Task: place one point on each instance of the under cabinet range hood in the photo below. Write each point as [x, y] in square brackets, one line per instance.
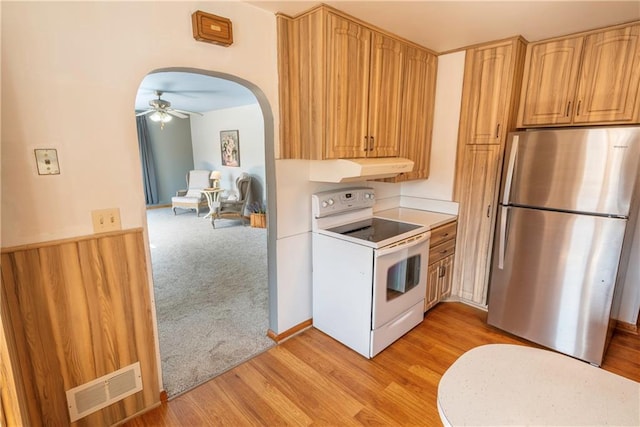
[361, 169]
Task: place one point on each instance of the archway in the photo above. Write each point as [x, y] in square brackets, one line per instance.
[269, 172]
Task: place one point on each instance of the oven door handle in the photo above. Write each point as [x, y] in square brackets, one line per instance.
[404, 244]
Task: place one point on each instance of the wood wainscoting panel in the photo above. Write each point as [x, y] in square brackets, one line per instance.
[13, 396]
[80, 309]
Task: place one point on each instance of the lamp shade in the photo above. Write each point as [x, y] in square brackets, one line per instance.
[216, 175]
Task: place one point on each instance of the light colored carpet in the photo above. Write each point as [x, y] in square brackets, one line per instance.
[211, 295]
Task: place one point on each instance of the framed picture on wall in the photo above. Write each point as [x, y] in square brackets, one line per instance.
[230, 148]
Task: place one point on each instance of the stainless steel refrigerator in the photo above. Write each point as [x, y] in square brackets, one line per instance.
[566, 204]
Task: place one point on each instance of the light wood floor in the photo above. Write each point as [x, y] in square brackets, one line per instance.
[312, 379]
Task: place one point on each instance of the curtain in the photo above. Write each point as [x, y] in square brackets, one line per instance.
[146, 157]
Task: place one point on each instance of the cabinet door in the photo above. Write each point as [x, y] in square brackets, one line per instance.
[431, 297]
[445, 277]
[347, 50]
[548, 91]
[608, 86]
[478, 194]
[385, 95]
[416, 124]
[487, 84]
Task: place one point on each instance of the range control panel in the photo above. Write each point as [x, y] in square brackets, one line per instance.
[341, 201]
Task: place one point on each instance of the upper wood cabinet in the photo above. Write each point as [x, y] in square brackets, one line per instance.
[348, 62]
[488, 80]
[610, 75]
[363, 91]
[343, 87]
[490, 92]
[549, 85]
[416, 118]
[385, 88]
[590, 78]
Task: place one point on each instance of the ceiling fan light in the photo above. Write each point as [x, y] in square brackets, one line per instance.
[160, 116]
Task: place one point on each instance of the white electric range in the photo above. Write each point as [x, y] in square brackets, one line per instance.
[369, 273]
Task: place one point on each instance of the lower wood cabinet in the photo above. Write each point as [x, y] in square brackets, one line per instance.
[440, 272]
[445, 276]
[439, 280]
[476, 217]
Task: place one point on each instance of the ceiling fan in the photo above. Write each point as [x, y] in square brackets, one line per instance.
[162, 112]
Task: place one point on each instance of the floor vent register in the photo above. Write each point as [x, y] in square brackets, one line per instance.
[102, 392]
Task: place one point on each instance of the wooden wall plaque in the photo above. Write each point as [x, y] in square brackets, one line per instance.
[211, 28]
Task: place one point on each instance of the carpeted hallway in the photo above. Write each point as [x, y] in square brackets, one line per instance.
[211, 295]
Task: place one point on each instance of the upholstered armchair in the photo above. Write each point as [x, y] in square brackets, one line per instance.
[192, 197]
[235, 209]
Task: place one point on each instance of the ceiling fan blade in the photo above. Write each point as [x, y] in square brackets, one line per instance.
[177, 114]
[144, 113]
[186, 112]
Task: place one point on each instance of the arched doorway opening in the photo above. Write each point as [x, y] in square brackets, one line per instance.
[269, 196]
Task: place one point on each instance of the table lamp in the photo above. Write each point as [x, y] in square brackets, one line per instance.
[215, 178]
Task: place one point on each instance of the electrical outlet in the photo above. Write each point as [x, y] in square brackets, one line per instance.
[106, 220]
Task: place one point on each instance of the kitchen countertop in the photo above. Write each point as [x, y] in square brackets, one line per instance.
[416, 216]
[505, 384]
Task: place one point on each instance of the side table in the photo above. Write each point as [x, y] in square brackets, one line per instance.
[213, 200]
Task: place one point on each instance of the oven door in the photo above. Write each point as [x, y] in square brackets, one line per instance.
[399, 278]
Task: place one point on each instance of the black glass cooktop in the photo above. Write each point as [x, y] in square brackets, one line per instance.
[374, 229]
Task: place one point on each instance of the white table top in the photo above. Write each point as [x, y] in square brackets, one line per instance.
[506, 385]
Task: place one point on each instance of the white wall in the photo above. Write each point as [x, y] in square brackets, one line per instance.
[76, 67]
[205, 133]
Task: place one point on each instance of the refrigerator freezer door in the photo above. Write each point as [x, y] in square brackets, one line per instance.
[578, 170]
[557, 278]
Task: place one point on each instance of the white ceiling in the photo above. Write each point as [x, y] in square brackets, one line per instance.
[439, 25]
[446, 25]
[192, 92]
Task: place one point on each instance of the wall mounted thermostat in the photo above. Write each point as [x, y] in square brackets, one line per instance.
[47, 161]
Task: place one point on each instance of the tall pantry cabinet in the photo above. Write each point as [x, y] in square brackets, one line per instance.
[490, 97]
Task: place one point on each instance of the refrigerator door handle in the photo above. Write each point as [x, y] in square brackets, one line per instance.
[510, 166]
[502, 243]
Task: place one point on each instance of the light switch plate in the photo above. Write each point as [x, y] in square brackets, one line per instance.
[47, 161]
[106, 220]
